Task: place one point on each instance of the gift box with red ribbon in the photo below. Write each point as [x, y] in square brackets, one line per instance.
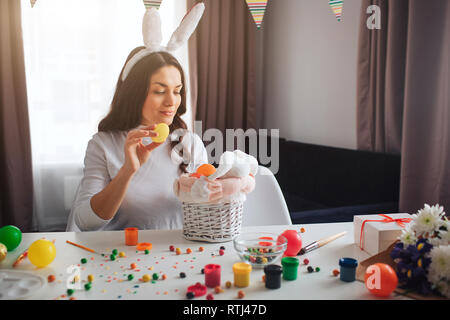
[376, 232]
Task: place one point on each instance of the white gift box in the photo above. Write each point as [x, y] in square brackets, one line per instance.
[379, 235]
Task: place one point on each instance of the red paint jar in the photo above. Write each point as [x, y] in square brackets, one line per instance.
[212, 275]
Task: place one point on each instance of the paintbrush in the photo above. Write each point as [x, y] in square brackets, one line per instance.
[319, 243]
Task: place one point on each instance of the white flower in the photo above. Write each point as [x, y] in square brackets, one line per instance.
[408, 236]
[428, 220]
[440, 264]
[445, 235]
[443, 287]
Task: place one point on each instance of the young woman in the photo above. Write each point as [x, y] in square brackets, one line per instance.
[127, 183]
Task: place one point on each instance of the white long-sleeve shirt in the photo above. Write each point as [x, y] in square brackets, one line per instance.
[150, 202]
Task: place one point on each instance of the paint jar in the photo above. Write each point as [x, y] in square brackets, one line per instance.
[212, 275]
[290, 267]
[348, 269]
[273, 276]
[242, 274]
[131, 236]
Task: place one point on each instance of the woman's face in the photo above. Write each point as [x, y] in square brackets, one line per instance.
[164, 97]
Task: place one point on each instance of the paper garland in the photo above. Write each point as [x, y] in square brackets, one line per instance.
[152, 4]
[257, 9]
[336, 6]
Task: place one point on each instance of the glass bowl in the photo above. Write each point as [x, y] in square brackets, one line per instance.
[260, 248]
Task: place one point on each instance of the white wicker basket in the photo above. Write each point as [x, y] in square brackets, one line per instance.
[212, 222]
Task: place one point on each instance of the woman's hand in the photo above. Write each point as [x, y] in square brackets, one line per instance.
[136, 154]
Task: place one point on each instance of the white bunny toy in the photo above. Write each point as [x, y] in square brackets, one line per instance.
[151, 30]
[235, 164]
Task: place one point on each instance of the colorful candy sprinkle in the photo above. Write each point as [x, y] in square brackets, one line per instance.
[51, 278]
[90, 278]
[172, 248]
[305, 261]
[310, 269]
[182, 275]
[228, 284]
[210, 296]
[241, 294]
[190, 295]
[84, 260]
[336, 272]
[146, 278]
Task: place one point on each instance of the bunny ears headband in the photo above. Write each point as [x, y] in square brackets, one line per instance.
[151, 30]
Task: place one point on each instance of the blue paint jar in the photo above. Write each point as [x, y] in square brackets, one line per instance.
[348, 269]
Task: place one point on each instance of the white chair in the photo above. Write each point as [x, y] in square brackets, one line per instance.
[266, 204]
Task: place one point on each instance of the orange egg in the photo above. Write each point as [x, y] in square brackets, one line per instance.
[380, 279]
[206, 170]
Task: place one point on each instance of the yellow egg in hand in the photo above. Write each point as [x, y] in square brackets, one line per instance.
[3, 252]
[163, 132]
[41, 253]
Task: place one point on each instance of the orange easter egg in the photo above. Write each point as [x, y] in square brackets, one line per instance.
[206, 170]
[380, 279]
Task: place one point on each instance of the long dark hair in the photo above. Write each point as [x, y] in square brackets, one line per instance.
[126, 107]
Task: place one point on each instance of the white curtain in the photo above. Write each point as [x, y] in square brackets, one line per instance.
[74, 51]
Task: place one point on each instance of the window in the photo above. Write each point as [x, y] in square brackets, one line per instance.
[74, 52]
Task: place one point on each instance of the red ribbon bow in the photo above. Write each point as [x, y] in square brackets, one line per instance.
[401, 222]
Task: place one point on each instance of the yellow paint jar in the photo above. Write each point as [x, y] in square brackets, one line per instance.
[242, 274]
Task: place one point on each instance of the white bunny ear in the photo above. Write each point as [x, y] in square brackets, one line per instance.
[151, 29]
[186, 28]
[152, 34]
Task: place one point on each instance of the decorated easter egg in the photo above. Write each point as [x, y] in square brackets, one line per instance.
[41, 253]
[294, 243]
[11, 237]
[206, 170]
[163, 132]
[380, 279]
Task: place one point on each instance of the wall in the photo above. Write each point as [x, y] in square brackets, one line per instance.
[309, 71]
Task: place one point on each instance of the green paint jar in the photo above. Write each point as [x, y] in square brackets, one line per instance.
[290, 268]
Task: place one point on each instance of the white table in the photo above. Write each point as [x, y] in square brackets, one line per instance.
[111, 276]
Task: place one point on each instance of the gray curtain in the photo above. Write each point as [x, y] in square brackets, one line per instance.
[16, 184]
[223, 66]
[403, 95]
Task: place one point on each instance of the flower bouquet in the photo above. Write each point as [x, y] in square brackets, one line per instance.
[422, 254]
